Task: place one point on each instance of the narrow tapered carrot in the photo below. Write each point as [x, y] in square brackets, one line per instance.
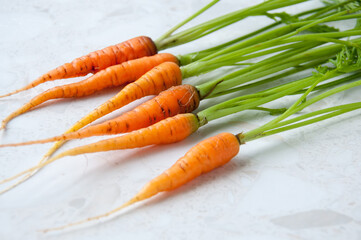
[169, 130]
[175, 100]
[111, 77]
[95, 61]
[202, 158]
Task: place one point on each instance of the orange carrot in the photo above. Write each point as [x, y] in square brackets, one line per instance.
[176, 100]
[112, 76]
[153, 82]
[93, 62]
[202, 158]
[169, 130]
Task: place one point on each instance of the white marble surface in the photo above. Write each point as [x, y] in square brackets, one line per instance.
[303, 184]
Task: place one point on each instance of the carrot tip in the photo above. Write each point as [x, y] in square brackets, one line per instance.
[130, 202]
[5, 95]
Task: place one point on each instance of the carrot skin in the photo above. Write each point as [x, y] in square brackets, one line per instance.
[111, 77]
[167, 131]
[204, 157]
[92, 116]
[176, 100]
[98, 60]
[155, 81]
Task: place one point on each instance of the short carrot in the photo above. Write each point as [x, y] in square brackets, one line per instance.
[95, 61]
[176, 100]
[113, 76]
[202, 158]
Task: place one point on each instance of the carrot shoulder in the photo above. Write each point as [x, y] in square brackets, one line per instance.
[98, 60]
[176, 100]
[202, 158]
[113, 76]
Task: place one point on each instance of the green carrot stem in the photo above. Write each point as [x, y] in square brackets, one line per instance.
[272, 111]
[278, 129]
[269, 39]
[296, 69]
[179, 25]
[333, 83]
[332, 7]
[315, 113]
[219, 110]
[290, 110]
[195, 56]
[192, 57]
[268, 64]
[208, 27]
[230, 54]
[275, 65]
[254, 133]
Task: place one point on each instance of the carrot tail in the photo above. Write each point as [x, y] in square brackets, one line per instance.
[132, 201]
[50, 94]
[176, 100]
[202, 158]
[167, 131]
[66, 91]
[93, 62]
[18, 182]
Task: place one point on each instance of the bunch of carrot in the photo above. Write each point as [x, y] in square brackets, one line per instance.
[168, 117]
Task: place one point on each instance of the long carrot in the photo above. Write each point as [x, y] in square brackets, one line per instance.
[113, 76]
[167, 131]
[95, 61]
[176, 100]
[202, 158]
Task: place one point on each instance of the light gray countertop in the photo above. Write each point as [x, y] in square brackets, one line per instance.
[302, 184]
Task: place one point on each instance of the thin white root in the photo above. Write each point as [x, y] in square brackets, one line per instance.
[30, 171]
[130, 202]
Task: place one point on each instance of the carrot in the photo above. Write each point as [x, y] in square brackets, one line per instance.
[176, 100]
[202, 158]
[169, 130]
[113, 76]
[95, 61]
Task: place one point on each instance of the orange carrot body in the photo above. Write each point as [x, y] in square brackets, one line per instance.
[93, 62]
[113, 76]
[169, 130]
[202, 158]
[113, 104]
[176, 100]
[158, 79]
